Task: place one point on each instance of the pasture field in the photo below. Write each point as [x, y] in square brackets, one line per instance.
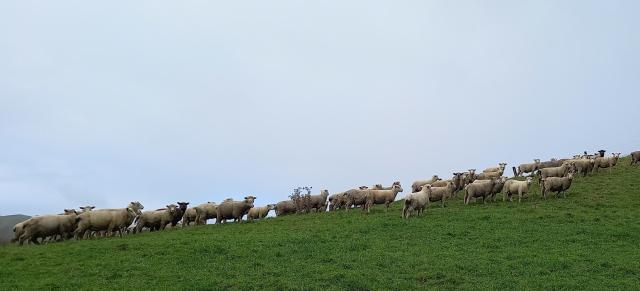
[589, 240]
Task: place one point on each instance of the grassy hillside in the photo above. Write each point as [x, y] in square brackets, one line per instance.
[590, 240]
[6, 226]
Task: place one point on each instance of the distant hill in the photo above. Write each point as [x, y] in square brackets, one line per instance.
[6, 226]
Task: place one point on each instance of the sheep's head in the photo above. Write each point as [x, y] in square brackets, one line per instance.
[183, 205]
[271, 207]
[529, 180]
[136, 207]
[171, 208]
[363, 187]
[70, 212]
[537, 161]
[435, 178]
[397, 188]
[377, 186]
[87, 208]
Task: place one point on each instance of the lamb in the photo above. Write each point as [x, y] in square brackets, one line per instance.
[234, 209]
[157, 219]
[48, 226]
[415, 187]
[555, 184]
[515, 186]
[528, 168]
[260, 212]
[635, 157]
[109, 220]
[481, 189]
[416, 201]
[561, 171]
[499, 168]
[609, 162]
[285, 207]
[383, 197]
[205, 212]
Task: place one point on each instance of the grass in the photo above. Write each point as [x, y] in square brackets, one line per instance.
[589, 240]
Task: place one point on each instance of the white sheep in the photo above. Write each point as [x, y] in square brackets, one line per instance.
[515, 186]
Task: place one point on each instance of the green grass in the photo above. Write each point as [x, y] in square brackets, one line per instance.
[590, 240]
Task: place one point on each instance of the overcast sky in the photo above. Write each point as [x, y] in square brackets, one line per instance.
[164, 101]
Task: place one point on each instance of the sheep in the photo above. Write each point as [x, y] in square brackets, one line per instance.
[318, 202]
[470, 176]
[489, 175]
[416, 201]
[18, 229]
[234, 209]
[339, 201]
[498, 186]
[415, 187]
[383, 197]
[583, 166]
[551, 164]
[48, 226]
[182, 208]
[556, 184]
[260, 212]
[499, 168]
[481, 189]
[528, 168]
[515, 186]
[357, 197]
[440, 193]
[567, 167]
[609, 162]
[206, 211]
[285, 207]
[635, 157]
[109, 220]
[379, 186]
[157, 219]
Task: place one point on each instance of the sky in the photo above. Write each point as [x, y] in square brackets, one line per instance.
[102, 103]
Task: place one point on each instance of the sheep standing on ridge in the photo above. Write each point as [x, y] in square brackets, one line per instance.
[556, 184]
[416, 201]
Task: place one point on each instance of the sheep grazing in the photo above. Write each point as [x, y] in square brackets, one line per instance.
[500, 168]
[609, 162]
[416, 201]
[108, 220]
[555, 184]
[515, 186]
[259, 212]
[383, 197]
[440, 193]
[635, 157]
[234, 209]
[48, 226]
[285, 207]
[318, 202]
[561, 171]
[415, 187]
[480, 189]
[157, 219]
[528, 168]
